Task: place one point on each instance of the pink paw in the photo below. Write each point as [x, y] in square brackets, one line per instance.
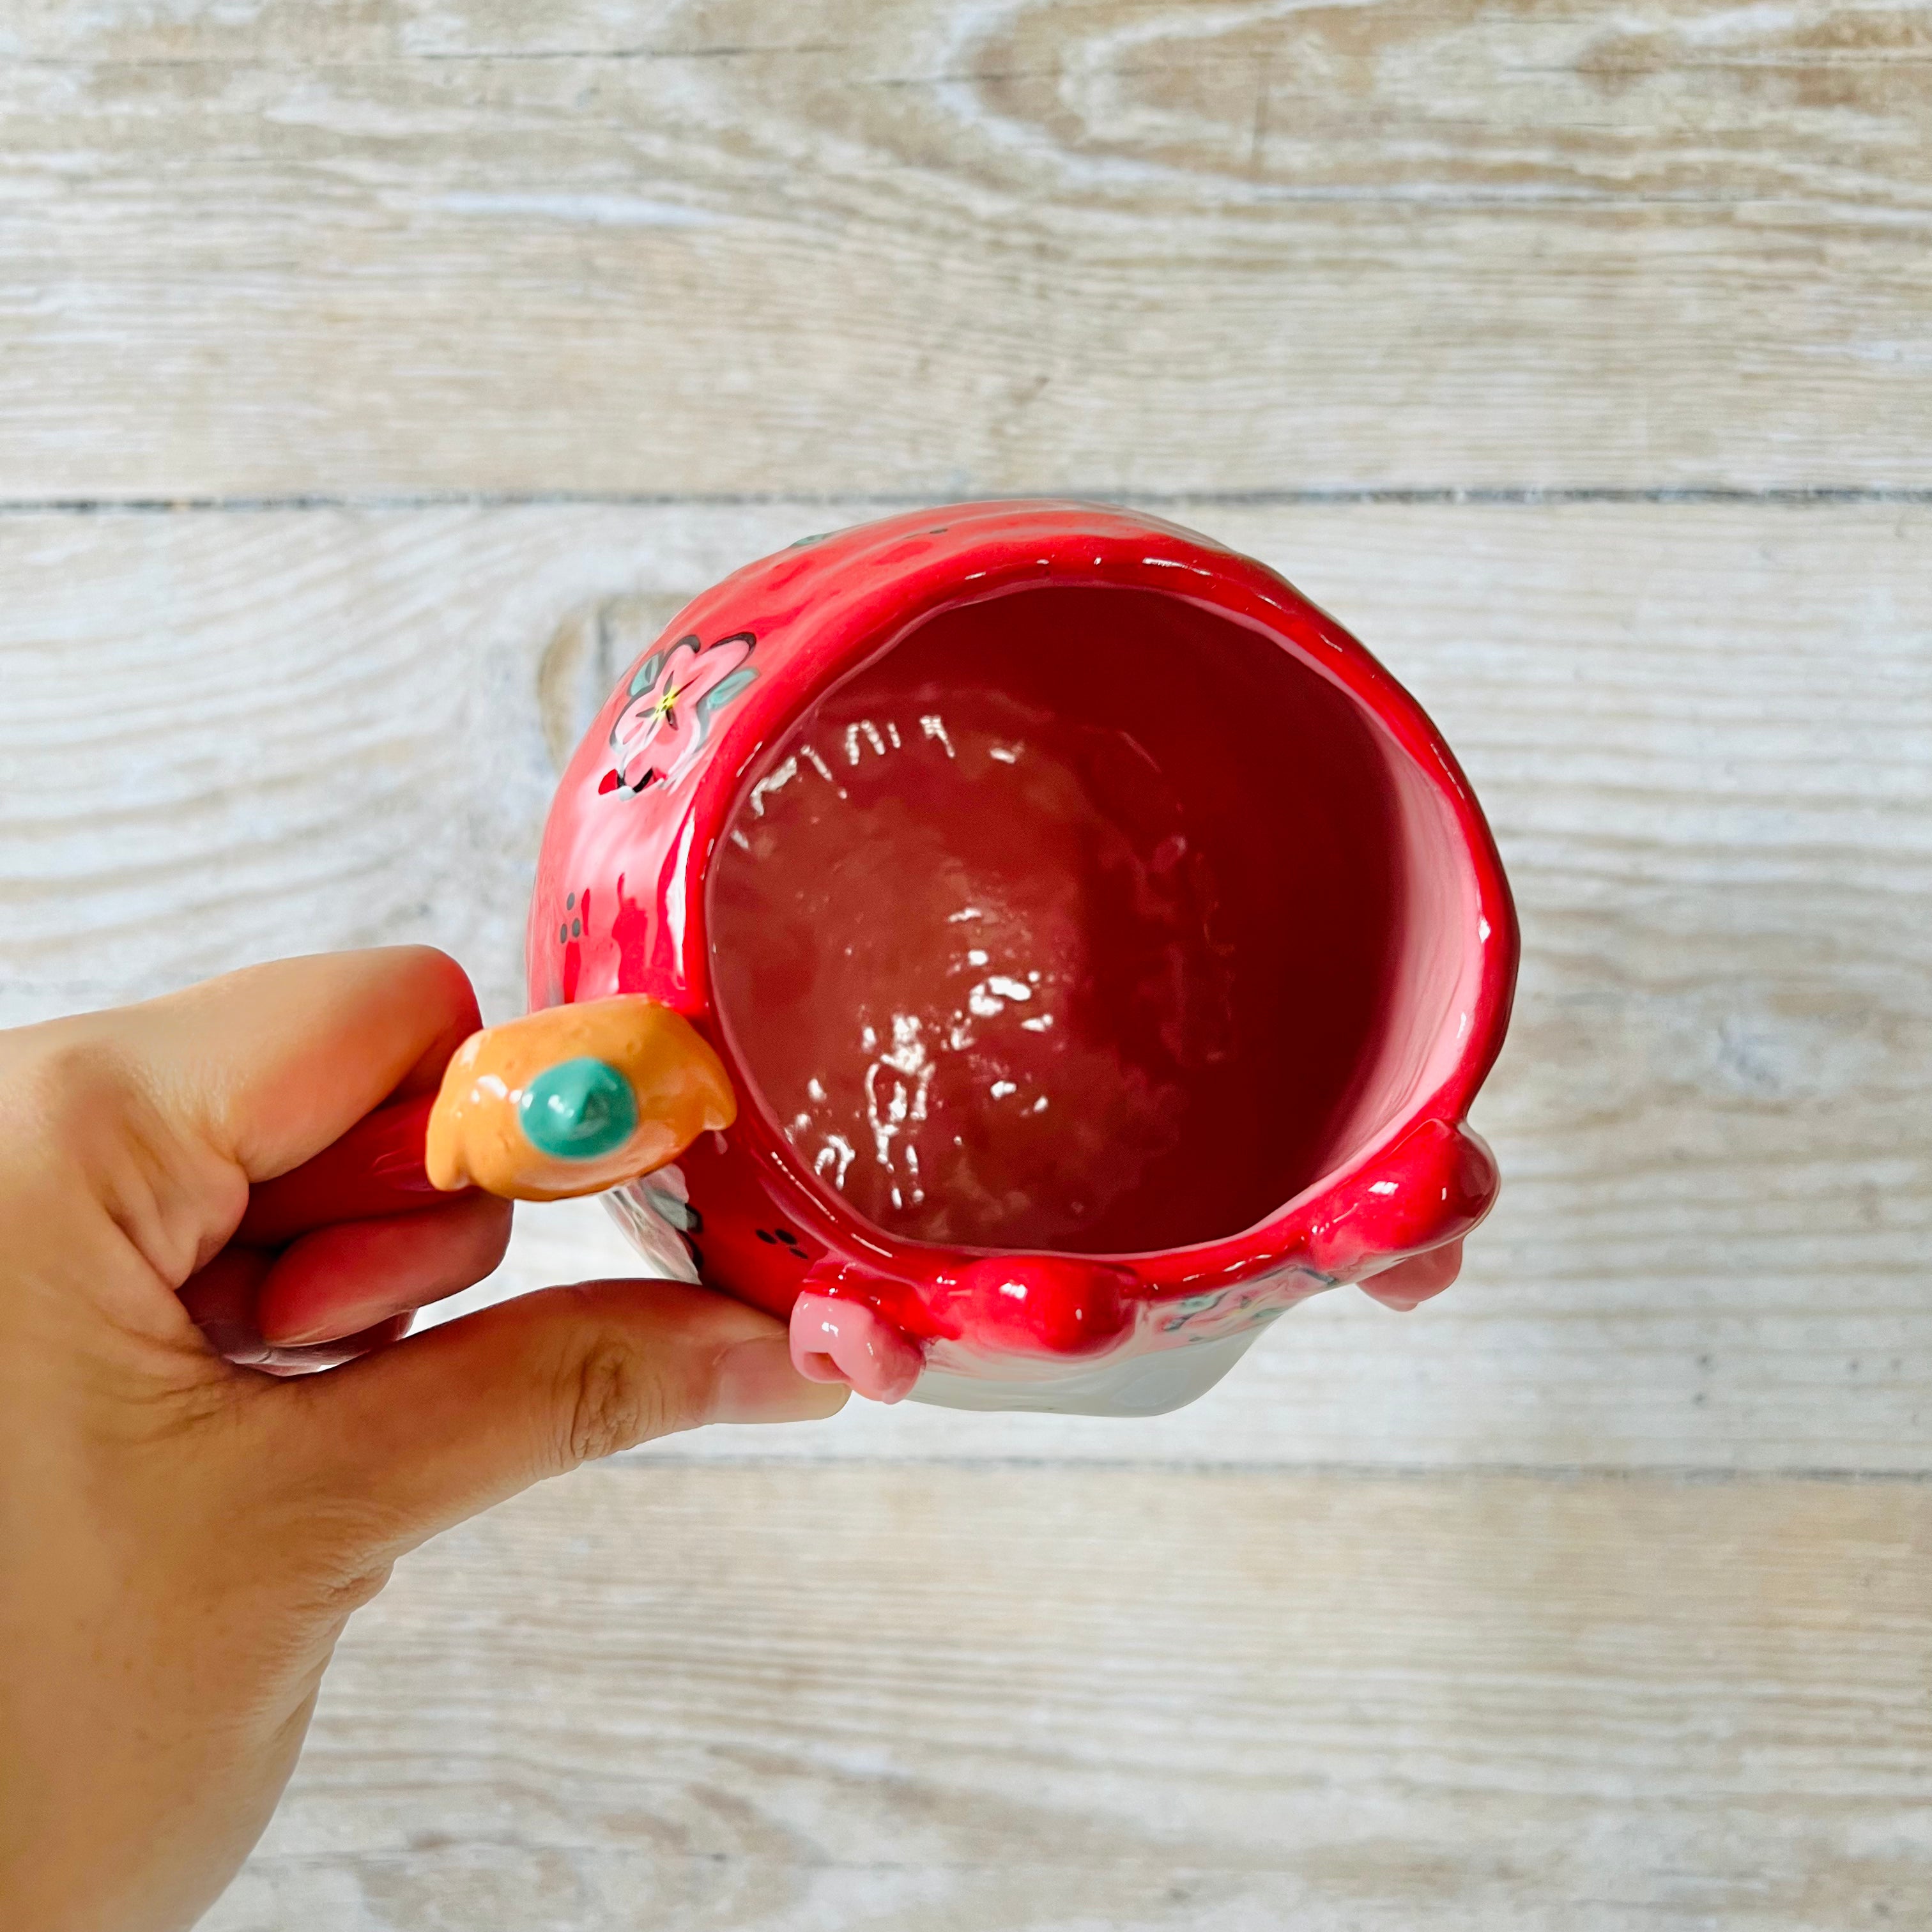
[1410, 1283]
[834, 1340]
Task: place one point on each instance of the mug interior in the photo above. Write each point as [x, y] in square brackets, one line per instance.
[1087, 920]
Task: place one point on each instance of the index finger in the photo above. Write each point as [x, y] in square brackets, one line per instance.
[273, 1063]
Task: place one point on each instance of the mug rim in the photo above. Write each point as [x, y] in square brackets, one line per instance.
[847, 599]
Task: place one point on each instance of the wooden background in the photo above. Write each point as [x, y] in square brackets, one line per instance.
[353, 354]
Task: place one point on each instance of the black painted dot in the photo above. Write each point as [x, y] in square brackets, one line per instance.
[786, 1235]
[562, 935]
[576, 929]
[570, 902]
[770, 1240]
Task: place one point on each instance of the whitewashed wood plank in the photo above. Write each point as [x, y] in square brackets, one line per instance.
[1704, 736]
[961, 247]
[767, 1699]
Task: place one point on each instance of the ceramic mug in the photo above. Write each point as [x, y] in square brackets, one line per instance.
[1359, 893]
[1057, 947]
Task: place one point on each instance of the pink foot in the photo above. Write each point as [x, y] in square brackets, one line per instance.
[834, 1340]
[1410, 1283]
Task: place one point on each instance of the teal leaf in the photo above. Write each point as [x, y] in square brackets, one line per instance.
[648, 673]
[721, 693]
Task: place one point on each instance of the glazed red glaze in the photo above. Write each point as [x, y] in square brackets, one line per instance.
[1349, 877]
[373, 1170]
[978, 962]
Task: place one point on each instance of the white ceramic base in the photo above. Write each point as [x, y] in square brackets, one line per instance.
[1141, 1379]
[1137, 1384]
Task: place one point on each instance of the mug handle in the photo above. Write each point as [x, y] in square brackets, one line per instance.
[571, 1100]
[374, 1170]
[575, 1100]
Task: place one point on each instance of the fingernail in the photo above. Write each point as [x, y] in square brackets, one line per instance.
[333, 1326]
[234, 1342]
[757, 1383]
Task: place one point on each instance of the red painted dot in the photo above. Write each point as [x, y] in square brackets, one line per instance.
[610, 782]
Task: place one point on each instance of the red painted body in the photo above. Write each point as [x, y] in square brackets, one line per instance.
[375, 1169]
[1355, 882]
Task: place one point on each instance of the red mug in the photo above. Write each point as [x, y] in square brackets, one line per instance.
[1102, 948]
[1366, 946]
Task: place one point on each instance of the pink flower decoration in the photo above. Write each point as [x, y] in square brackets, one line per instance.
[674, 695]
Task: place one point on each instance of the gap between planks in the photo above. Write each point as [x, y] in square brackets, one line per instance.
[662, 1455]
[1526, 496]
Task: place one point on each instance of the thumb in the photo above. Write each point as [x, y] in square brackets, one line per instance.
[420, 1435]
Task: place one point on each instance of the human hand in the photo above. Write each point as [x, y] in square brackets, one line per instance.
[184, 1538]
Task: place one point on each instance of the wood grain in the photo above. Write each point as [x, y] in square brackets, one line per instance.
[765, 1698]
[944, 249]
[1704, 733]
[395, 289]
